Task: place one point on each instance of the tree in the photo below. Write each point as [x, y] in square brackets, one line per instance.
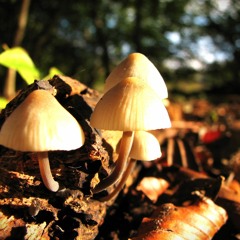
[217, 23]
[86, 40]
[10, 82]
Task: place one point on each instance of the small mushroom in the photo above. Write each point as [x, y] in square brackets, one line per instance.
[40, 124]
[131, 105]
[145, 147]
[138, 65]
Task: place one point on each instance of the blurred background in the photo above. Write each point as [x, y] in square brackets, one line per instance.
[195, 44]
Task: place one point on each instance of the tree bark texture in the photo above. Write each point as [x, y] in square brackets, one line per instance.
[30, 211]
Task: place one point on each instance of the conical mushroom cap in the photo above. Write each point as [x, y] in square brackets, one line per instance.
[145, 147]
[131, 105]
[39, 124]
[137, 65]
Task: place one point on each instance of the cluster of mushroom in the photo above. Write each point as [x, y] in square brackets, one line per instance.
[132, 103]
[40, 124]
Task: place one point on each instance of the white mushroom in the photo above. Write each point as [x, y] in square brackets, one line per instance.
[40, 124]
[129, 106]
[139, 66]
[145, 147]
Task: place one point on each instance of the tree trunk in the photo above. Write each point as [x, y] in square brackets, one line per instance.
[10, 82]
[138, 25]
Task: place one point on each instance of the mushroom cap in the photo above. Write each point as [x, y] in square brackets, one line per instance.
[40, 124]
[137, 65]
[131, 105]
[145, 147]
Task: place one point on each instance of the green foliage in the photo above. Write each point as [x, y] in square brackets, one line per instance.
[86, 39]
[53, 71]
[17, 58]
[3, 102]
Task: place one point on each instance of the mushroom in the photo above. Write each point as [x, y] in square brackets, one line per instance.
[137, 65]
[145, 147]
[40, 124]
[131, 105]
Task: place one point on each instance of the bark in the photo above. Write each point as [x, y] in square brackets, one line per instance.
[30, 211]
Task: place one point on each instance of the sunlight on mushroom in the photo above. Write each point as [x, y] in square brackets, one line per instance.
[139, 66]
[145, 147]
[40, 124]
[129, 106]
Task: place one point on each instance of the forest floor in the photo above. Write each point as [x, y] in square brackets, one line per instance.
[210, 132]
[200, 153]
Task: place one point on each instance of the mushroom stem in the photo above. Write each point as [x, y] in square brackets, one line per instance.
[123, 180]
[46, 173]
[125, 147]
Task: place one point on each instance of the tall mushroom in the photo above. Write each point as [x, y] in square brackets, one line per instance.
[137, 65]
[145, 147]
[40, 124]
[131, 105]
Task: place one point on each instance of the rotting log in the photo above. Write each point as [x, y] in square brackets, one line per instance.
[27, 209]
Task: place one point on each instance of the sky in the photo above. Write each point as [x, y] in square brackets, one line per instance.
[204, 48]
